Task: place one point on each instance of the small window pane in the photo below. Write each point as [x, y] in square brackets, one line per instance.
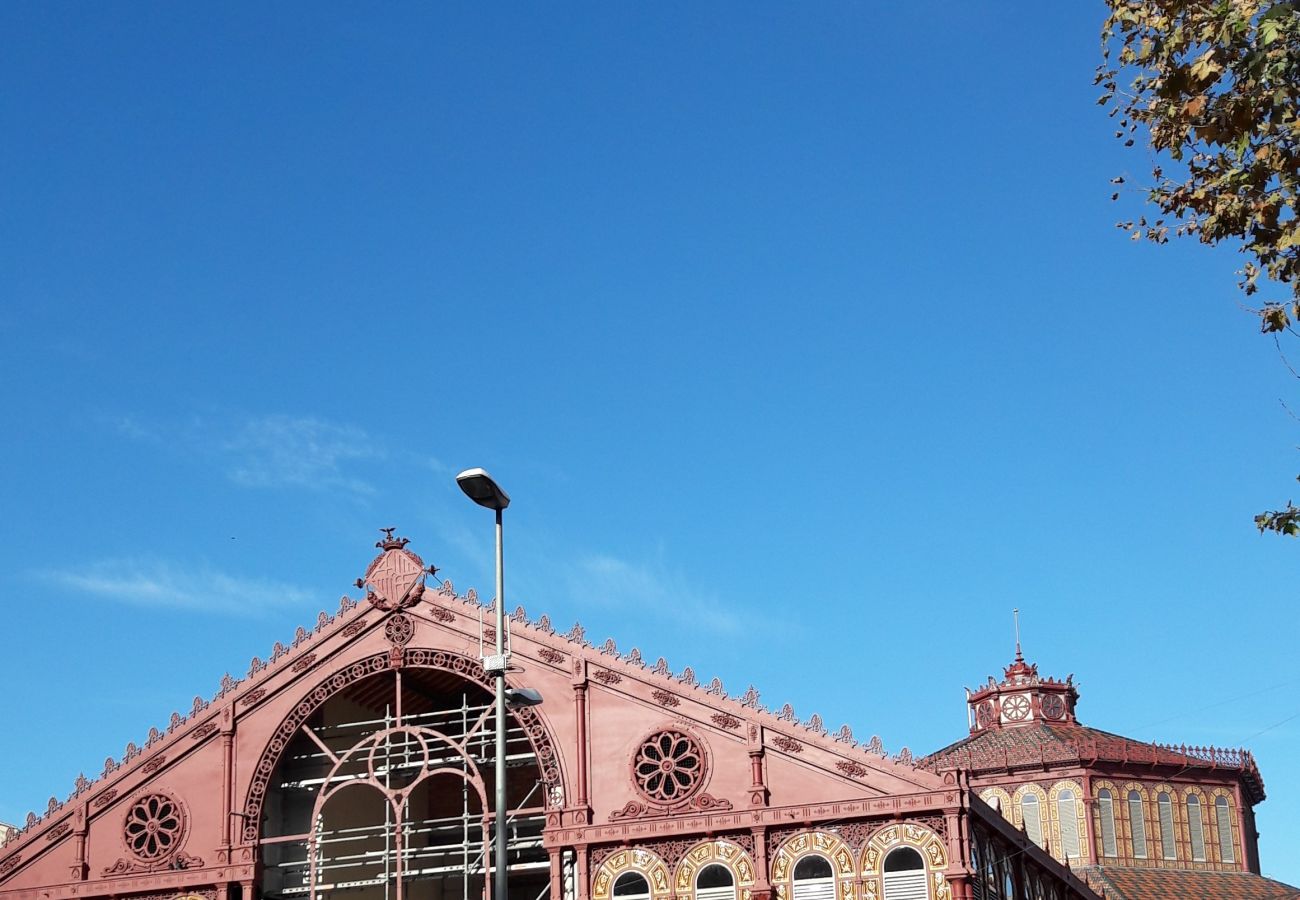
[630, 884]
[1166, 807]
[715, 882]
[1106, 811]
[903, 859]
[1138, 822]
[813, 867]
[1223, 822]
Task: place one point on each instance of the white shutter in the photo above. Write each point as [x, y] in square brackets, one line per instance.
[726, 892]
[909, 885]
[1031, 815]
[815, 889]
[1196, 828]
[1166, 807]
[1106, 808]
[1138, 820]
[1069, 824]
[1222, 822]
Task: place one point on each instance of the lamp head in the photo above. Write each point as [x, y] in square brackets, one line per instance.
[479, 487]
[521, 697]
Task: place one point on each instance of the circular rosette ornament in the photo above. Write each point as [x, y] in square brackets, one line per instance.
[154, 828]
[1016, 709]
[399, 630]
[669, 767]
[1053, 707]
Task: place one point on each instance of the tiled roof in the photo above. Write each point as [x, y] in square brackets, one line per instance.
[1041, 743]
[1029, 743]
[1122, 883]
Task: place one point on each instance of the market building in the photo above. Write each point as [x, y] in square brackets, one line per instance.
[356, 761]
[1136, 820]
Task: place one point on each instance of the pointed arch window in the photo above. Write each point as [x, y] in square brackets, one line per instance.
[1165, 806]
[1196, 827]
[632, 886]
[1138, 823]
[905, 876]
[1068, 818]
[715, 882]
[1223, 824]
[1031, 814]
[814, 879]
[1106, 813]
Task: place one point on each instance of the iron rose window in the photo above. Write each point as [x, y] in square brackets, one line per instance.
[154, 827]
[669, 766]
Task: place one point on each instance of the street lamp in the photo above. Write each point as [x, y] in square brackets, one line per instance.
[479, 487]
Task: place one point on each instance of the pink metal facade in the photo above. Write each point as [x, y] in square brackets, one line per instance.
[339, 766]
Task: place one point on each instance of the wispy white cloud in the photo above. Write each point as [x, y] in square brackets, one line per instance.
[609, 581]
[164, 584]
[277, 451]
[299, 451]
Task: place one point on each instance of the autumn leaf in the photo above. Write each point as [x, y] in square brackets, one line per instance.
[1213, 89]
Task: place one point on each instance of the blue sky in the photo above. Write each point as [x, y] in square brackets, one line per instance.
[802, 339]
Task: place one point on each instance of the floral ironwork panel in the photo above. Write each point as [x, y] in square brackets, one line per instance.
[669, 766]
[154, 827]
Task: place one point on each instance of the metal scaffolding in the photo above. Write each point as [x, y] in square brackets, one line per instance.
[334, 827]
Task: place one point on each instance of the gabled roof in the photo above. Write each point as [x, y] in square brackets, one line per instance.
[1045, 743]
[1125, 883]
[168, 744]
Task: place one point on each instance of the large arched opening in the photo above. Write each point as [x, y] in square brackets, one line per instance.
[383, 792]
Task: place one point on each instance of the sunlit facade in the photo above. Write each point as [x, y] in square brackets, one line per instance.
[355, 763]
[1136, 820]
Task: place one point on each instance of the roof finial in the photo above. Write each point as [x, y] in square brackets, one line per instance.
[1015, 614]
[389, 542]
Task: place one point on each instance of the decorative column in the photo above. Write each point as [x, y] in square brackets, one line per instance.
[557, 876]
[227, 778]
[79, 843]
[582, 805]
[1249, 861]
[758, 793]
[1088, 805]
[584, 873]
[762, 889]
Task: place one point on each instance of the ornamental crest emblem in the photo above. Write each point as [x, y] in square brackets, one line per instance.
[395, 579]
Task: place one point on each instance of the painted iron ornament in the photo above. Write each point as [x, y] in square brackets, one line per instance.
[669, 766]
[154, 827]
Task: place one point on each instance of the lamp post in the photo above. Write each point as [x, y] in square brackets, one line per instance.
[479, 487]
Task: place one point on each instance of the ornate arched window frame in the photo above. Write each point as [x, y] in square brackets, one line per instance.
[1080, 815]
[919, 838]
[631, 859]
[719, 852]
[1233, 827]
[1004, 804]
[1127, 788]
[1018, 812]
[814, 843]
[1178, 822]
[1184, 800]
[1119, 817]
